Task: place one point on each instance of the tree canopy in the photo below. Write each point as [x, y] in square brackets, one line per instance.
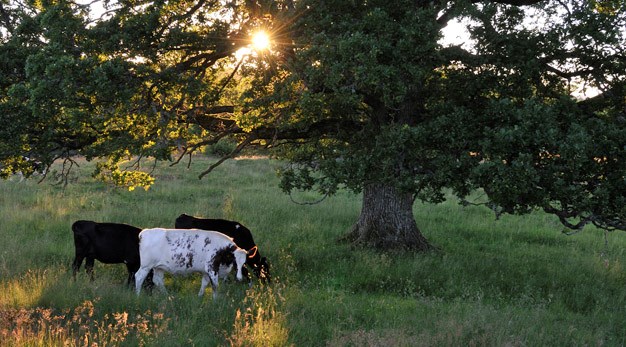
[351, 94]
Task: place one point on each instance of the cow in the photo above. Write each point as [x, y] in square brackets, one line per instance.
[184, 251]
[240, 234]
[109, 243]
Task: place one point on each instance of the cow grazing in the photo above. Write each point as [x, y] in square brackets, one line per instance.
[109, 243]
[184, 251]
[240, 234]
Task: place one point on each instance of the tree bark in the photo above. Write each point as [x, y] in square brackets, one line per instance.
[387, 221]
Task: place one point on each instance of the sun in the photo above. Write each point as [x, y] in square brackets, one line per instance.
[260, 41]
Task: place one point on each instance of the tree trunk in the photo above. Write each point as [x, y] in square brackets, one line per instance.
[386, 220]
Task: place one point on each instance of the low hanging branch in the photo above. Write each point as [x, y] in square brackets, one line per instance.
[193, 147]
[232, 154]
[565, 215]
[307, 202]
[498, 211]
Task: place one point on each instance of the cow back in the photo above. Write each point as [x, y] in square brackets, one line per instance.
[107, 242]
[181, 250]
[239, 233]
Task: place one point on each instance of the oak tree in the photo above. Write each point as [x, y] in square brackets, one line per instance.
[363, 95]
[371, 97]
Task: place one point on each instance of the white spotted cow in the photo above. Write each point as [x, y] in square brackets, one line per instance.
[184, 251]
[240, 234]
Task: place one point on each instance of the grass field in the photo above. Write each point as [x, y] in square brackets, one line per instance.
[517, 281]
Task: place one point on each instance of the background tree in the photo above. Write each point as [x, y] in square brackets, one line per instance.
[116, 86]
[355, 94]
[390, 109]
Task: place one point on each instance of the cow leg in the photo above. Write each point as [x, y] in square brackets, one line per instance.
[78, 260]
[132, 269]
[157, 279]
[149, 283]
[205, 282]
[81, 245]
[214, 278]
[89, 268]
[140, 276]
[131, 279]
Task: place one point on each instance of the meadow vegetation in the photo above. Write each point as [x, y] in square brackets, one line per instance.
[516, 281]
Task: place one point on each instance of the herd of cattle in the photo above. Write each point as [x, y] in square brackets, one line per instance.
[209, 246]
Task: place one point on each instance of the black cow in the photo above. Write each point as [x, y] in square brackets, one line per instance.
[241, 236]
[110, 243]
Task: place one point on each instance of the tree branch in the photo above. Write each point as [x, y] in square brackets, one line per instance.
[192, 148]
[598, 221]
[456, 53]
[232, 154]
[563, 216]
[511, 2]
[602, 100]
[205, 58]
[6, 18]
[448, 13]
[267, 132]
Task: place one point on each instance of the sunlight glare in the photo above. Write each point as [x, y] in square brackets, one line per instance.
[242, 52]
[260, 41]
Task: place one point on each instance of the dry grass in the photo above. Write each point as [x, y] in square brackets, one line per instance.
[261, 323]
[370, 338]
[78, 327]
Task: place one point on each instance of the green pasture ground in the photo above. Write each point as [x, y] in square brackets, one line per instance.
[516, 281]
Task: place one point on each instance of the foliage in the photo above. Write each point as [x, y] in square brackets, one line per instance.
[350, 93]
[497, 113]
[119, 86]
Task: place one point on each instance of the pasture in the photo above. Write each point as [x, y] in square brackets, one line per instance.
[517, 281]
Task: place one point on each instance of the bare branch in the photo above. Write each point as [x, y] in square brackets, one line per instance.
[568, 74]
[610, 225]
[564, 215]
[606, 223]
[230, 77]
[498, 211]
[192, 148]
[232, 154]
[64, 175]
[308, 203]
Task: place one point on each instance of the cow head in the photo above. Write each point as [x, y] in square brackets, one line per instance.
[185, 222]
[259, 264]
[262, 270]
[240, 259]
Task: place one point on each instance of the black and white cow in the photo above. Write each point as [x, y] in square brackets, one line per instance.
[109, 243]
[184, 251]
[240, 234]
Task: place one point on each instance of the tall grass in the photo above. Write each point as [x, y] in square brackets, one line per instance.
[516, 281]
